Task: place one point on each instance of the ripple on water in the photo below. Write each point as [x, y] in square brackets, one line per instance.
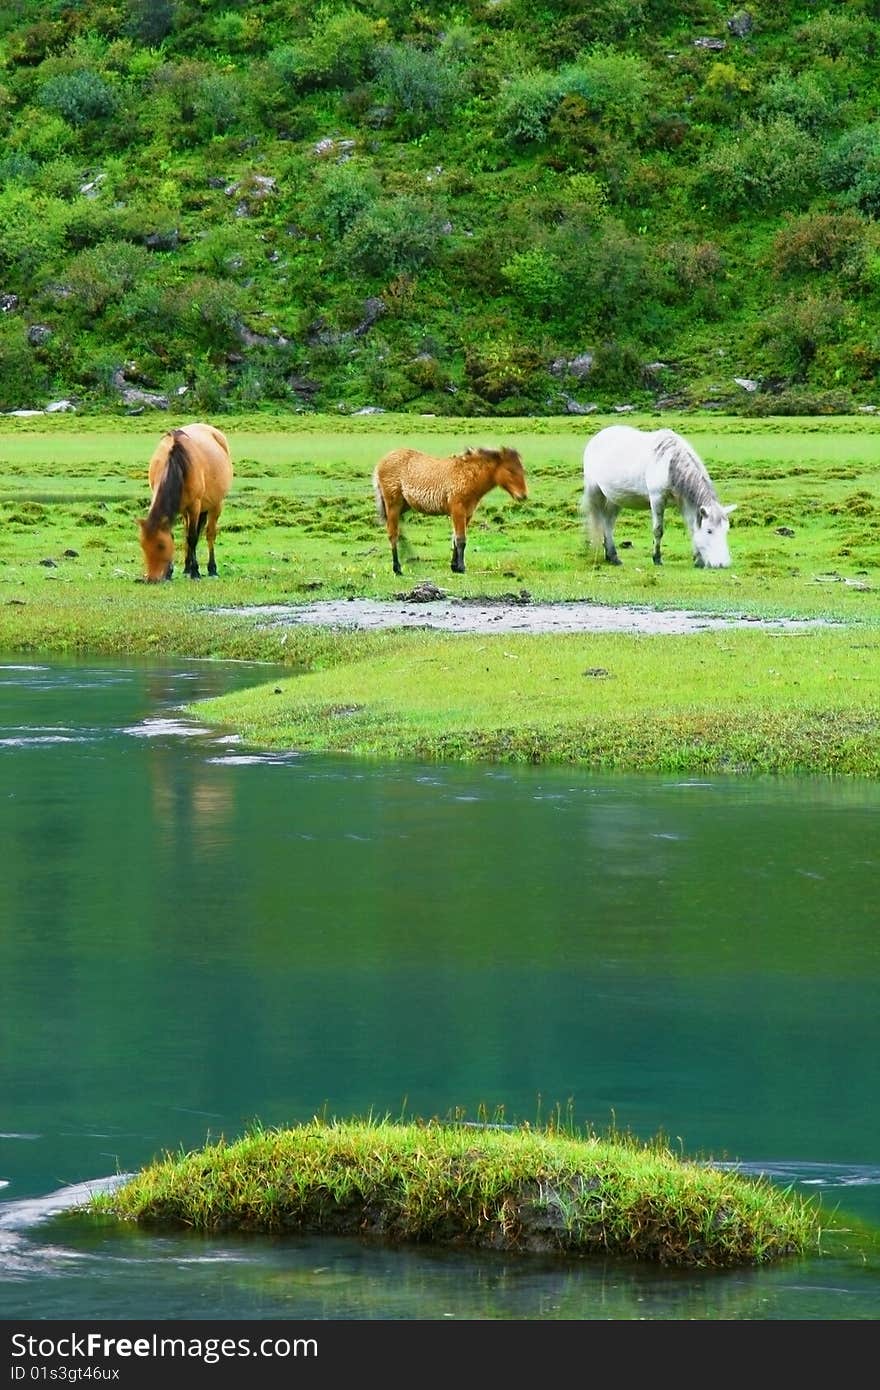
[253, 759]
[811, 1174]
[163, 728]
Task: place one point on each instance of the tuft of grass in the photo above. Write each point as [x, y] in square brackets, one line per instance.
[547, 1189]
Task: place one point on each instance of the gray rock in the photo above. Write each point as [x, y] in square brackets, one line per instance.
[714, 45]
[746, 383]
[55, 406]
[162, 241]
[574, 407]
[38, 334]
[8, 303]
[132, 396]
[741, 24]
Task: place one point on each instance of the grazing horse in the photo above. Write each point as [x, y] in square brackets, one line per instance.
[408, 479]
[190, 474]
[626, 467]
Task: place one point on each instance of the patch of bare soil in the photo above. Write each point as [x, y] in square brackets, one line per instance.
[508, 613]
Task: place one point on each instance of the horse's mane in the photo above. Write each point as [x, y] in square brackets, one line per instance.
[475, 454]
[169, 490]
[688, 476]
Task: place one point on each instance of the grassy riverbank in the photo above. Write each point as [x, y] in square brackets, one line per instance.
[300, 524]
[545, 1191]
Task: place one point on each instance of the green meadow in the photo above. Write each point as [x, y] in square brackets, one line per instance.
[300, 524]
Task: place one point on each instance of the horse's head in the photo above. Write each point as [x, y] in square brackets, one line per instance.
[510, 475]
[158, 548]
[710, 536]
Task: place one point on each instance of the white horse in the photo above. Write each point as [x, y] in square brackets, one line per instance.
[626, 467]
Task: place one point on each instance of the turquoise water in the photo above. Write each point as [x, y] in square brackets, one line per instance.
[193, 937]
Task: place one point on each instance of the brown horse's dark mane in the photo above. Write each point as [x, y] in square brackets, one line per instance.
[166, 499]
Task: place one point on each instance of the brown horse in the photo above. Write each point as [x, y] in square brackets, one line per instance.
[190, 474]
[407, 478]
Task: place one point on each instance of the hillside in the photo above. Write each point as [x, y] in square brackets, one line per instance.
[488, 208]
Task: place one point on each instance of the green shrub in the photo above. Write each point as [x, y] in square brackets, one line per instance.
[150, 20]
[526, 104]
[797, 330]
[613, 86]
[537, 280]
[41, 134]
[24, 380]
[807, 98]
[190, 102]
[79, 97]
[617, 368]
[338, 51]
[425, 86]
[838, 35]
[31, 231]
[394, 235]
[105, 273]
[500, 367]
[769, 165]
[343, 193]
[820, 241]
[852, 167]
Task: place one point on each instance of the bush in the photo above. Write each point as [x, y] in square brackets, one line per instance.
[339, 51]
[31, 231]
[79, 97]
[838, 35]
[799, 328]
[498, 368]
[526, 105]
[537, 281]
[105, 273]
[24, 381]
[852, 167]
[820, 241]
[190, 102]
[150, 20]
[41, 134]
[613, 87]
[394, 235]
[617, 368]
[770, 165]
[426, 86]
[806, 98]
[344, 192]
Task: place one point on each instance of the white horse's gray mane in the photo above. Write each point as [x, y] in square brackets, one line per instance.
[687, 472]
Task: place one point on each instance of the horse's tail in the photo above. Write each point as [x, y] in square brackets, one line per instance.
[593, 512]
[380, 500]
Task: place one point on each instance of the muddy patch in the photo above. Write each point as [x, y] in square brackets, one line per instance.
[507, 615]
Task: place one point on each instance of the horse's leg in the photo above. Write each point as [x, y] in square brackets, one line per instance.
[392, 526]
[193, 530]
[459, 517]
[210, 536]
[609, 517]
[657, 510]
